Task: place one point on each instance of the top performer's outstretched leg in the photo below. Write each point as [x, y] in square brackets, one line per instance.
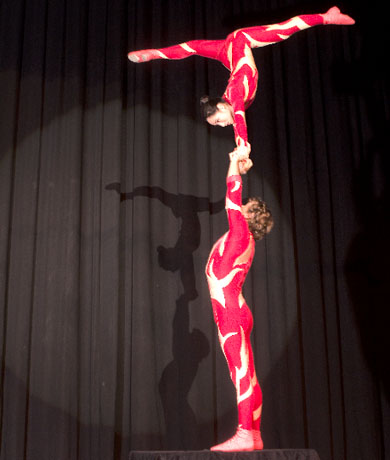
[206, 48]
[259, 36]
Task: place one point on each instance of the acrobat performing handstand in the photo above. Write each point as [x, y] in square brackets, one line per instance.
[228, 264]
[235, 54]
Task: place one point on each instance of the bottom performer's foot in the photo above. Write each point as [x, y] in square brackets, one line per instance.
[257, 441]
[334, 16]
[241, 441]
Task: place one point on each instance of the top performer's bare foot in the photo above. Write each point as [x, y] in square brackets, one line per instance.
[334, 16]
[245, 165]
[145, 55]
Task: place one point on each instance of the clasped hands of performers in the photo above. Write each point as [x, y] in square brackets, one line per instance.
[240, 155]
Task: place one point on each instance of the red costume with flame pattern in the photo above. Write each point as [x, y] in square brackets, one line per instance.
[227, 267]
[235, 54]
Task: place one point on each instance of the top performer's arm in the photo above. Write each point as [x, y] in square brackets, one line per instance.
[239, 164]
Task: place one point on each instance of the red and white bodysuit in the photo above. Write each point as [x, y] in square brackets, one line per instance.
[235, 54]
[226, 270]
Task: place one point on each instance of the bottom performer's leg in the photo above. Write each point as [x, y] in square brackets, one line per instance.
[257, 409]
[234, 327]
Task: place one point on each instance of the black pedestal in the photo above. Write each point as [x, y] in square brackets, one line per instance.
[266, 454]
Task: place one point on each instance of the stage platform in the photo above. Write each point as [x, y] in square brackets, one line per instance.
[266, 454]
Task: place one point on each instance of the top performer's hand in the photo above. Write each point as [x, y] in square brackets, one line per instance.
[245, 165]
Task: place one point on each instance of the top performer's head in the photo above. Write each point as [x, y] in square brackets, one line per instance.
[217, 111]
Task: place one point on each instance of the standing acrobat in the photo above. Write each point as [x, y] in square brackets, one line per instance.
[235, 54]
[226, 270]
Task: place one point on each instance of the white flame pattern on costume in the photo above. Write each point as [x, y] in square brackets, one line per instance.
[237, 185]
[246, 87]
[239, 141]
[221, 248]
[244, 257]
[247, 59]
[230, 55]
[257, 412]
[297, 21]
[240, 113]
[223, 338]
[242, 371]
[187, 48]
[162, 55]
[231, 205]
[241, 300]
[216, 285]
[256, 43]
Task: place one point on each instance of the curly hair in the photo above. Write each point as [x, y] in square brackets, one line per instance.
[261, 221]
[209, 105]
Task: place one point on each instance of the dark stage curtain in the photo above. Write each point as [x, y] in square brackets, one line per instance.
[112, 195]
